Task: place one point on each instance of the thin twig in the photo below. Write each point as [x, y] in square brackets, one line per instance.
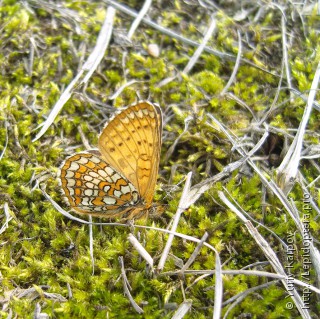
[84, 139]
[171, 149]
[198, 189]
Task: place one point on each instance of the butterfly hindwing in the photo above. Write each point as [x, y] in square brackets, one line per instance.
[92, 186]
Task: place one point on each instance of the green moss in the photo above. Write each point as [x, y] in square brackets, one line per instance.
[40, 247]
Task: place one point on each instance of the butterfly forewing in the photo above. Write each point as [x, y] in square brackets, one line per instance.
[131, 144]
[92, 186]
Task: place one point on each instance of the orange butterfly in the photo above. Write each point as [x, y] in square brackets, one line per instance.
[118, 180]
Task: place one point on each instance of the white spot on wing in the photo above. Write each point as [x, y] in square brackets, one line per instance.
[87, 192]
[102, 173]
[130, 115]
[135, 196]
[120, 127]
[69, 174]
[109, 170]
[139, 114]
[83, 160]
[115, 177]
[91, 192]
[87, 178]
[74, 166]
[71, 182]
[109, 180]
[89, 185]
[125, 120]
[85, 201]
[94, 174]
[117, 193]
[95, 160]
[96, 181]
[109, 200]
[125, 189]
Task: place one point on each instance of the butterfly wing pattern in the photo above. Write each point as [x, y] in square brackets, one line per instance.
[119, 179]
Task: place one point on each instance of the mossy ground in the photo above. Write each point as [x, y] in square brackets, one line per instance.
[44, 257]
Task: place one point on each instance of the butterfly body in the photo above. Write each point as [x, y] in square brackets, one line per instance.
[119, 179]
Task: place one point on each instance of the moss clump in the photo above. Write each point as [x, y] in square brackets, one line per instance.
[45, 258]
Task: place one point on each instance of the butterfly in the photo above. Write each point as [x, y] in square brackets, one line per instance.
[118, 179]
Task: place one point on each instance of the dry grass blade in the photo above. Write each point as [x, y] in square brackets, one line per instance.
[187, 41]
[86, 71]
[62, 211]
[293, 212]
[38, 314]
[236, 66]
[201, 47]
[268, 113]
[285, 50]
[237, 299]
[91, 243]
[126, 287]
[288, 169]
[173, 146]
[297, 93]
[6, 125]
[143, 253]
[169, 32]
[182, 310]
[8, 218]
[31, 293]
[121, 88]
[270, 255]
[183, 204]
[218, 295]
[307, 239]
[138, 19]
[197, 190]
[194, 253]
[243, 272]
